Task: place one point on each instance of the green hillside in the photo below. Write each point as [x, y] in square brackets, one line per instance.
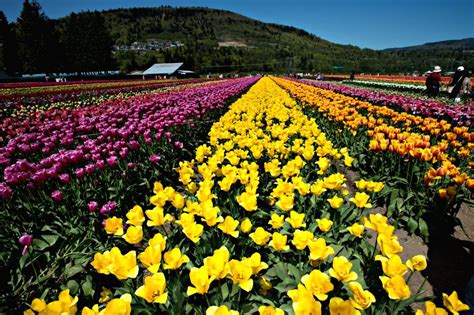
[261, 46]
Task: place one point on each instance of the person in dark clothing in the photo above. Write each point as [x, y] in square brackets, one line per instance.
[457, 82]
[352, 76]
[433, 82]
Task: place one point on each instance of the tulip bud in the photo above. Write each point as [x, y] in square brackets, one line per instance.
[57, 195]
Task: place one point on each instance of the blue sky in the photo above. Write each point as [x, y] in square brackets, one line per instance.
[373, 24]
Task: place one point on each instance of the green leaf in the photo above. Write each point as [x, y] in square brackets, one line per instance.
[87, 287]
[224, 291]
[73, 286]
[50, 239]
[39, 244]
[295, 272]
[72, 271]
[423, 227]
[412, 225]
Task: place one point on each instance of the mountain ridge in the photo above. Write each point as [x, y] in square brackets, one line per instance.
[260, 45]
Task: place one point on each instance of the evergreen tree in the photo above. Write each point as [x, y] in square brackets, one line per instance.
[87, 43]
[4, 29]
[32, 32]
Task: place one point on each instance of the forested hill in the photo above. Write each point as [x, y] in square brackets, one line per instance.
[215, 38]
[466, 44]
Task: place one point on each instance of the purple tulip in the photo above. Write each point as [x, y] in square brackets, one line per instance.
[155, 159]
[65, 178]
[112, 161]
[57, 195]
[26, 240]
[92, 206]
[5, 191]
[108, 207]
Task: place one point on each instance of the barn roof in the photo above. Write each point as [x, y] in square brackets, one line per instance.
[163, 68]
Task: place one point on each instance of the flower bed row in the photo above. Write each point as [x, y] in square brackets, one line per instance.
[425, 158]
[387, 78]
[54, 144]
[264, 220]
[23, 112]
[457, 114]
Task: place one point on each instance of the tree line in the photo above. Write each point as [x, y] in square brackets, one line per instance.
[37, 44]
[82, 42]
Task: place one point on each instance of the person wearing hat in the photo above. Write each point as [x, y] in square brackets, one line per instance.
[433, 82]
[456, 83]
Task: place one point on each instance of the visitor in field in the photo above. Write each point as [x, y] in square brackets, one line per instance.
[352, 76]
[433, 82]
[460, 84]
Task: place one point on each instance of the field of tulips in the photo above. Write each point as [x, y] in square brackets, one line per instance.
[245, 196]
[457, 114]
[400, 79]
[409, 87]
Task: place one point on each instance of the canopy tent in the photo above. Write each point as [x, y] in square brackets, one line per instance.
[163, 69]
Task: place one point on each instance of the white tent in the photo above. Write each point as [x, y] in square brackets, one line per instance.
[163, 69]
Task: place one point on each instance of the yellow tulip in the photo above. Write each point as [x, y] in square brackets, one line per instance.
[396, 287]
[220, 310]
[453, 304]
[336, 202]
[318, 249]
[194, 232]
[247, 200]
[174, 259]
[276, 220]
[361, 299]
[201, 281]
[157, 217]
[135, 216]
[317, 188]
[121, 306]
[255, 262]
[286, 202]
[389, 245]
[324, 224]
[341, 269]
[431, 309]
[318, 283]
[338, 306]
[158, 240]
[356, 229]
[323, 164]
[134, 234]
[218, 264]
[91, 311]
[240, 273]
[334, 181]
[360, 200]
[210, 214]
[307, 305]
[301, 239]
[123, 266]
[296, 219]
[246, 225]
[228, 226]
[151, 258]
[114, 226]
[417, 263]
[260, 236]
[278, 242]
[105, 295]
[38, 305]
[392, 266]
[153, 290]
[270, 310]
